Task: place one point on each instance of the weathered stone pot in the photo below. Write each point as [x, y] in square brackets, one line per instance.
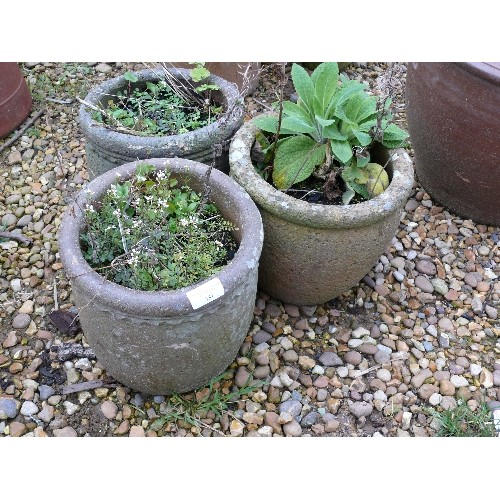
[453, 114]
[107, 148]
[313, 253]
[172, 341]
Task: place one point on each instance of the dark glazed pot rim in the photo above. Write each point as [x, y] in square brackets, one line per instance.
[159, 303]
[489, 71]
[111, 138]
[315, 215]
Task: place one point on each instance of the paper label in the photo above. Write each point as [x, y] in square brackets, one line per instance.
[205, 293]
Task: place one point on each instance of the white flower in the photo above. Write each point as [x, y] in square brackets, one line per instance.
[89, 208]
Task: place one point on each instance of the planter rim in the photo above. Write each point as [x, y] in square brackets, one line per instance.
[315, 215]
[158, 303]
[488, 71]
[111, 139]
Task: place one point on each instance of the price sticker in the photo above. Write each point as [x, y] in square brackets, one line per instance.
[205, 293]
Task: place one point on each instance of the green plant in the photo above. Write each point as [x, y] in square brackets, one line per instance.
[151, 233]
[191, 409]
[167, 107]
[464, 422]
[328, 133]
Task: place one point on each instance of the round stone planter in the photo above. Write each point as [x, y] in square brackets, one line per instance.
[172, 341]
[453, 113]
[107, 148]
[313, 253]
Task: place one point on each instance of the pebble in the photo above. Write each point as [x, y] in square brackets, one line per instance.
[292, 429]
[424, 284]
[361, 409]
[351, 357]
[65, 432]
[426, 267]
[459, 381]
[8, 408]
[109, 409]
[29, 408]
[292, 407]
[21, 321]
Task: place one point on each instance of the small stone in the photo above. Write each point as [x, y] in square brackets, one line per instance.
[272, 310]
[426, 267]
[384, 375]
[483, 250]
[9, 408]
[446, 388]
[496, 378]
[306, 363]
[21, 321]
[47, 413]
[29, 408]
[361, 409]
[382, 357]
[292, 429]
[10, 340]
[352, 357]
[424, 284]
[475, 370]
[310, 419]
[71, 408]
[332, 425]
[138, 431]
[486, 378]
[14, 157]
[492, 312]
[27, 307]
[109, 409]
[426, 391]
[477, 305]
[459, 381]
[242, 377]
[418, 379]
[292, 407]
[261, 336]
[104, 68]
[17, 429]
[439, 286]
[65, 432]
[265, 431]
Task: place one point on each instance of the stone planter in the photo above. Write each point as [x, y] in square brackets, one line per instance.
[313, 253]
[15, 98]
[107, 149]
[453, 113]
[172, 341]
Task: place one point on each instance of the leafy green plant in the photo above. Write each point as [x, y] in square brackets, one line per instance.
[192, 409]
[329, 131]
[464, 422]
[167, 107]
[151, 233]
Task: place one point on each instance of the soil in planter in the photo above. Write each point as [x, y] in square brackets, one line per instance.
[158, 110]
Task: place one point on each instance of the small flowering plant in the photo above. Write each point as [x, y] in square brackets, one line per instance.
[151, 233]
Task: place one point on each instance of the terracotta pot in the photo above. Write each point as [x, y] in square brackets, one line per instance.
[15, 98]
[313, 253]
[107, 149]
[171, 341]
[453, 114]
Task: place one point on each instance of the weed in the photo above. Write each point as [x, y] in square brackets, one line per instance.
[464, 422]
[212, 398]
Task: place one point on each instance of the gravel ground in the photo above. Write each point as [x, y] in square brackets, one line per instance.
[420, 331]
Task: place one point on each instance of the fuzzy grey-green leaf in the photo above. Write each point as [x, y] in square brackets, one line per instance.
[295, 160]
